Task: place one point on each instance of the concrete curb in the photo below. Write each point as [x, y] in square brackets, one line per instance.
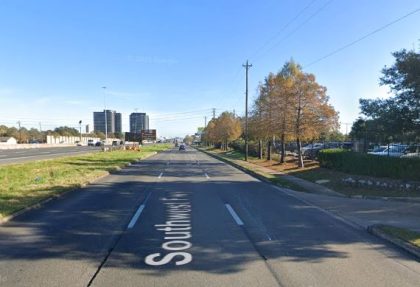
[235, 165]
[52, 197]
[406, 246]
[263, 178]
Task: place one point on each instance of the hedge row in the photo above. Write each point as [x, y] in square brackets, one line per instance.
[370, 165]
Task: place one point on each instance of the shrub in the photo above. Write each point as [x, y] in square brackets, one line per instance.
[370, 165]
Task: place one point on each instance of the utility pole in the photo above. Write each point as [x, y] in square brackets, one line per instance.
[106, 124]
[214, 113]
[205, 122]
[20, 132]
[246, 66]
[40, 131]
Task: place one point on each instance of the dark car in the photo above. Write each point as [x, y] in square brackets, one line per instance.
[182, 147]
[98, 144]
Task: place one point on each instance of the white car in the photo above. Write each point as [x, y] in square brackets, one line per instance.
[392, 151]
[412, 152]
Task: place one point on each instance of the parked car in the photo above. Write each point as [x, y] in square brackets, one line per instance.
[378, 149]
[392, 151]
[412, 152]
[311, 150]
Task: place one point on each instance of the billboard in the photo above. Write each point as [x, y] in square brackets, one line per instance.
[148, 135]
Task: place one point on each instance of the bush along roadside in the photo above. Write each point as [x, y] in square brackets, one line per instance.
[370, 165]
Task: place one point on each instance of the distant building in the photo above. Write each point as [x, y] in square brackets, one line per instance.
[138, 122]
[113, 119]
[8, 140]
[118, 123]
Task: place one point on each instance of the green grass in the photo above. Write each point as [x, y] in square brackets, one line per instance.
[25, 184]
[402, 233]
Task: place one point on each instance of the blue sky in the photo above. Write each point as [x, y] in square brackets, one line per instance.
[176, 60]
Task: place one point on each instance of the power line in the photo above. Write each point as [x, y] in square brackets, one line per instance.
[362, 38]
[284, 27]
[313, 15]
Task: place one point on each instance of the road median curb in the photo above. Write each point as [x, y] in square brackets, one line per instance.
[280, 176]
[241, 168]
[52, 197]
[402, 244]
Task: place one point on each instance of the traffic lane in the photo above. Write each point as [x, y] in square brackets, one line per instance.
[64, 242]
[19, 156]
[185, 236]
[305, 246]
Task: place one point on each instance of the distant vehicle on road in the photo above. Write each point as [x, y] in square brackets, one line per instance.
[91, 143]
[98, 143]
[182, 147]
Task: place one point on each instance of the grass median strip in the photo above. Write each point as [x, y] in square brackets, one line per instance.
[28, 183]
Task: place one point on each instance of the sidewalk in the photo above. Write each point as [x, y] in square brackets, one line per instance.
[362, 212]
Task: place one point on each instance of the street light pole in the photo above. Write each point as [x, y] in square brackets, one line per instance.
[106, 123]
[246, 66]
[80, 128]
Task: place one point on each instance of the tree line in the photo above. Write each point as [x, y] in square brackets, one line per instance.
[291, 107]
[24, 135]
[397, 118]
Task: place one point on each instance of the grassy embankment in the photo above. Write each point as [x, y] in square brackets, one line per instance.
[22, 185]
[333, 179]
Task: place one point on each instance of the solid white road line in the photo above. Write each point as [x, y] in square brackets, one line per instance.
[138, 212]
[234, 215]
[160, 175]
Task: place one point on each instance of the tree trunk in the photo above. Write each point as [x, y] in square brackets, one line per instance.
[269, 150]
[260, 149]
[300, 158]
[283, 149]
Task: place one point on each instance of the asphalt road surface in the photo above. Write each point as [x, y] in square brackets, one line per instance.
[8, 156]
[182, 218]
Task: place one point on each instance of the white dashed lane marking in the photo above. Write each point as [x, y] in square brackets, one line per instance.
[234, 215]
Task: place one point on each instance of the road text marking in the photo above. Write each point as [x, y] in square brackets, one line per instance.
[207, 176]
[160, 175]
[234, 215]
